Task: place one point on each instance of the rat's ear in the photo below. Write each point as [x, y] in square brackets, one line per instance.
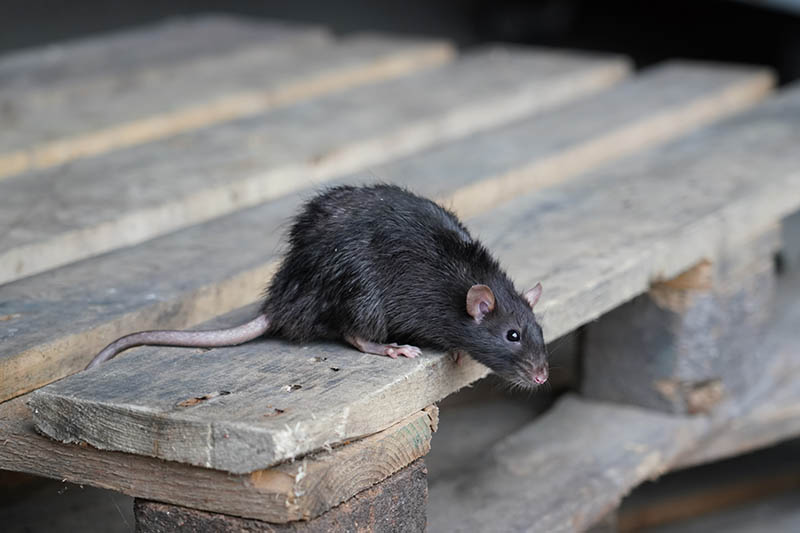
[532, 295]
[480, 302]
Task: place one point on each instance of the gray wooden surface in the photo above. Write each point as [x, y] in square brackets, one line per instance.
[688, 343]
[230, 259]
[98, 204]
[168, 42]
[603, 238]
[560, 473]
[772, 416]
[46, 127]
[607, 235]
[397, 504]
[777, 514]
[571, 466]
[291, 491]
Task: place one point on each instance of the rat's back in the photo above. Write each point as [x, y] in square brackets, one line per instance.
[362, 260]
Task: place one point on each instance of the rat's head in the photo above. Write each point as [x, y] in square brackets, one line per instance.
[505, 335]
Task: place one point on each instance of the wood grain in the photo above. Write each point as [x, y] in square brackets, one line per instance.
[99, 204]
[625, 446]
[607, 236]
[118, 53]
[138, 288]
[775, 399]
[395, 504]
[292, 491]
[562, 472]
[699, 335]
[54, 126]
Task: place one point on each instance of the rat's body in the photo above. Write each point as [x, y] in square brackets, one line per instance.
[377, 264]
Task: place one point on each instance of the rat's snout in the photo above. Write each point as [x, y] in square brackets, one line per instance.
[540, 374]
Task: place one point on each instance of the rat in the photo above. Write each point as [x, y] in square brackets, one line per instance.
[377, 263]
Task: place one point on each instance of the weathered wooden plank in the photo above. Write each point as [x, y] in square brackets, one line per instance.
[610, 234]
[650, 217]
[776, 402]
[568, 468]
[94, 205]
[562, 472]
[172, 41]
[687, 343]
[396, 504]
[230, 259]
[694, 492]
[52, 126]
[778, 514]
[297, 490]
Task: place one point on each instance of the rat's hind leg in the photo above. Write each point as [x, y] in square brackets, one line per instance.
[392, 350]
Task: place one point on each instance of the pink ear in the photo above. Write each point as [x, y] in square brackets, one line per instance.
[480, 302]
[532, 295]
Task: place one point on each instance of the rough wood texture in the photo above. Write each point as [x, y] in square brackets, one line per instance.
[687, 343]
[560, 473]
[778, 514]
[568, 468]
[693, 492]
[611, 233]
[396, 504]
[145, 191]
[54, 125]
[172, 41]
[651, 216]
[771, 416]
[137, 288]
[296, 490]
[776, 400]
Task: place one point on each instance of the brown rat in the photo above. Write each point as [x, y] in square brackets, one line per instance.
[376, 264]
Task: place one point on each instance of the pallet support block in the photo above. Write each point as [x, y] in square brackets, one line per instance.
[691, 341]
[396, 504]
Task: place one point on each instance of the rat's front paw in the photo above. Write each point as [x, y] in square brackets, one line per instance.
[406, 350]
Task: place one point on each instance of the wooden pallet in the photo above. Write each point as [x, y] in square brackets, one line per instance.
[267, 152]
[539, 149]
[681, 231]
[549, 156]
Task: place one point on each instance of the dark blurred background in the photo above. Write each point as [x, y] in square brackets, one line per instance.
[762, 32]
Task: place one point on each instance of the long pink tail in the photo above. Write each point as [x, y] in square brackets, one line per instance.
[198, 339]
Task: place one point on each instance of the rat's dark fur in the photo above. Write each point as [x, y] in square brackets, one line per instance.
[385, 265]
[379, 264]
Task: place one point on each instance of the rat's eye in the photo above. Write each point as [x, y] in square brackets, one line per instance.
[512, 335]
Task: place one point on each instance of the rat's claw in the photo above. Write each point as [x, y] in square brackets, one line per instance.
[390, 350]
[409, 351]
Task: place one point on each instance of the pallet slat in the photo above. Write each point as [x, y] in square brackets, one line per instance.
[137, 288]
[293, 491]
[52, 126]
[126, 197]
[651, 215]
[172, 41]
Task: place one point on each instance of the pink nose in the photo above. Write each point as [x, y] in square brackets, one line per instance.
[540, 375]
